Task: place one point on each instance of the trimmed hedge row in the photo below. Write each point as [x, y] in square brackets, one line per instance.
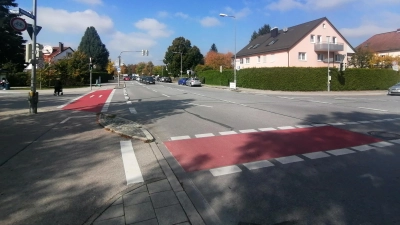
[304, 79]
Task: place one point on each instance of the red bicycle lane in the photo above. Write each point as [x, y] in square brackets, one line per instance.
[218, 151]
[92, 102]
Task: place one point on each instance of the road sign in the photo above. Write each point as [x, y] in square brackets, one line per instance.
[30, 30]
[18, 24]
[396, 68]
[119, 69]
[26, 13]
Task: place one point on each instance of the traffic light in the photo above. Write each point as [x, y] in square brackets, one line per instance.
[39, 51]
[147, 52]
[142, 52]
[90, 66]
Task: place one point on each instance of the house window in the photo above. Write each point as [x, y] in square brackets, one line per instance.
[320, 57]
[69, 54]
[338, 58]
[272, 58]
[258, 59]
[323, 26]
[334, 40]
[247, 60]
[319, 39]
[302, 56]
[312, 38]
[264, 59]
[241, 61]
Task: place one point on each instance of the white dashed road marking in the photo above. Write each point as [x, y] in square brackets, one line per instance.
[362, 148]
[342, 151]
[316, 155]
[180, 138]
[225, 170]
[289, 159]
[132, 170]
[227, 132]
[248, 131]
[381, 110]
[258, 164]
[132, 110]
[382, 144]
[286, 128]
[267, 129]
[204, 135]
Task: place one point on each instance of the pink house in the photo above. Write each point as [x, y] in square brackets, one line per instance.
[309, 44]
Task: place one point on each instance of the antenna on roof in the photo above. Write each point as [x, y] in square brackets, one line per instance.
[285, 29]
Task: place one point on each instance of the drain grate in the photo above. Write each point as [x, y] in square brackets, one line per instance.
[384, 135]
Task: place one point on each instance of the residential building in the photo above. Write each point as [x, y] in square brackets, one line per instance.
[384, 44]
[309, 44]
[53, 54]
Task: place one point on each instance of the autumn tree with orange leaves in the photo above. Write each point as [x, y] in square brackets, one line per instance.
[215, 60]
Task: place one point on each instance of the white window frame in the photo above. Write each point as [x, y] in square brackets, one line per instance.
[241, 60]
[323, 26]
[320, 57]
[272, 58]
[264, 58]
[247, 60]
[302, 56]
[312, 38]
[258, 59]
[334, 40]
[338, 58]
[319, 38]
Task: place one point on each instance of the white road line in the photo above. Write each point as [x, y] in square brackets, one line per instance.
[362, 148]
[285, 97]
[73, 100]
[350, 123]
[65, 120]
[132, 170]
[126, 97]
[100, 96]
[267, 129]
[316, 155]
[320, 102]
[155, 91]
[319, 125]
[166, 95]
[132, 110]
[364, 122]
[336, 124]
[382, 144]
[225, 170]
[303, 126]
[289, 159]
[243, 105]
[227, 132]
[248, 131]
[258, 164]
[381, 110]
[108, 101]
[129, 102]
[200, 105]
[285, 128]
[377, 121]
[342, 151]
[204, 135]
[395, 141]
[180, 138]
[91, 96]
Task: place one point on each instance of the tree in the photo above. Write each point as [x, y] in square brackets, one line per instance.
[214, 48]
[361, 58]
[149, 68]
[265, 29]
[92, 46]
[191, 56]
[215, 60]
[140, 68]
[12, 49]
[110, 67]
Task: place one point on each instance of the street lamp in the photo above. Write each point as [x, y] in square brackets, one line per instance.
[234, 63]
[329, 77]
[181, 61]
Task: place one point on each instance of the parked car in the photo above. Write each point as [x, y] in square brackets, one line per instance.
[167, 80]
[193, 81]
[127, 78]
[394, 90]
[149, 80]
[182, 81]
[142, 79]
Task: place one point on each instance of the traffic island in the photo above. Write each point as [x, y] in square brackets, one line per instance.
[124, 127]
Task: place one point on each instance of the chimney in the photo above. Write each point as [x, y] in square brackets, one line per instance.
[274, 32]
[61, 46]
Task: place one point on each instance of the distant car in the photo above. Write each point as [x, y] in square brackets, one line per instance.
[127, 78]
[149, 80]
[394, 90]
[194, 81]
[182, 81]
[167, 80]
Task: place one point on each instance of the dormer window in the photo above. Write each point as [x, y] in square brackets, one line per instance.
[323, 26]
[272, 42]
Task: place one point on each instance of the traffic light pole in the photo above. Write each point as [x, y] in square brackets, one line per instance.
[144, 52]
[33, 97]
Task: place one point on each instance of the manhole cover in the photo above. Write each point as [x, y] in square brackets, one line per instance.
[384, 135]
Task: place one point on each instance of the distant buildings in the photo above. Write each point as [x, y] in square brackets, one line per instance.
[383, 44]
[303, 45]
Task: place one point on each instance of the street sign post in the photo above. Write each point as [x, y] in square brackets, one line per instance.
[26, 13]
[18, 24]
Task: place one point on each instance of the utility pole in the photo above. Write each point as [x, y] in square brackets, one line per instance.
[33, 97]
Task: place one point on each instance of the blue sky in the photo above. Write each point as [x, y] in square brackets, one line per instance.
[132, 25]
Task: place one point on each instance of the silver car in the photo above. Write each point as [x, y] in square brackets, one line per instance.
[193, 82]
[394, 90]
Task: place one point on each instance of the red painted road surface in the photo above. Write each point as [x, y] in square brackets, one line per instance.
[212, 152]
[92, 102]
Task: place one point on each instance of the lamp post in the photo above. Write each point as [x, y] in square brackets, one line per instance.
[329, 77]
[181, 62]
[234, 62]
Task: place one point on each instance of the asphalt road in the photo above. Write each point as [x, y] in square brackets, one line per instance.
[356, 188]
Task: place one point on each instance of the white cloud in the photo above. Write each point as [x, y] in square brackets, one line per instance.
[182, 15]
[154, 28]
[122, 42]
[62, 21]
[209, 22]
[238, 14]
[90, 2]
[162, 14]
[285, 5]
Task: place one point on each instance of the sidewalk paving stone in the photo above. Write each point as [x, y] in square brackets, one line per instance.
[159, 186]
[165, 198]
[164, 215]
[139, 213]
[147, 222]
[114, 221]
[136, 198]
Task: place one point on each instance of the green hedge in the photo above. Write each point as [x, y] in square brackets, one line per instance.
[304, 79]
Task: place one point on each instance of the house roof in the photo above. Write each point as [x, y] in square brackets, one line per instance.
[56, 51]
[284, 40]
[385, 42]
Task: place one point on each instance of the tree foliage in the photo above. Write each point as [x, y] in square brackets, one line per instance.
[12, 49]
[213, 48]
[92, 46]
[361, 58]
[215, 60]
[191, 56]
[265, 29]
